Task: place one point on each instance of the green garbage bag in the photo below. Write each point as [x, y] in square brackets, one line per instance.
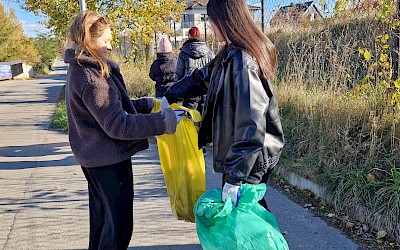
[249, 226]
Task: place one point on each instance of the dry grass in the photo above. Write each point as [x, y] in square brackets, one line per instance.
[346, 140]
[136, 76]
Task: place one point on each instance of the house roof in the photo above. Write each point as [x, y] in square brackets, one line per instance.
[294, 11]
[253, 7]
[299, 7]
[192, 5]
[200, 5]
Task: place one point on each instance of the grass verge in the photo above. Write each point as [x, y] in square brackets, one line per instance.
[60, 120]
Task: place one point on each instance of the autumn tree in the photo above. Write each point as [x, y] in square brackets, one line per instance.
[48, 47]
[136, 19]
[14, 44]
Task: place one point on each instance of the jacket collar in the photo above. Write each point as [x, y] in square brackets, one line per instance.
[71, 56]
[230, 51]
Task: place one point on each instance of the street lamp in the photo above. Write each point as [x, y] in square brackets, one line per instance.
[82, 5]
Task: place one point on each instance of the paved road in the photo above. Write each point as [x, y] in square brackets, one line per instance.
[43, 193]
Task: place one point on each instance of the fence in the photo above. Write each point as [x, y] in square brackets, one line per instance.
[268, 14]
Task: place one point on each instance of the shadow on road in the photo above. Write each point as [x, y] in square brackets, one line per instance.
[36, 155]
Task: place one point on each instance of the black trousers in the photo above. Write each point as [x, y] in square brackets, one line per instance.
[263, 201]
[110, 205]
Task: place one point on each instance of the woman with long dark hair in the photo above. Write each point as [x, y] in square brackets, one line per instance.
[240, 115]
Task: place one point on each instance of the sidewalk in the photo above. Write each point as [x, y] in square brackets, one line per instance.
[43, 193]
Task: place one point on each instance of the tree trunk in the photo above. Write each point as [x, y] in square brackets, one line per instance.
[150, 51]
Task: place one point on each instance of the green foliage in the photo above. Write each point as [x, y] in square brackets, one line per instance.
[60, 119]
[138, 20]
[380, 77]
[48, 47]
[351, 187]
[14, 44]
[41, 69]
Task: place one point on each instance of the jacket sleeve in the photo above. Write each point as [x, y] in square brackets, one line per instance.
[195, 84]
[152, 72]
[180, 67]
[103, 102]
[143, 105]
[250, 129]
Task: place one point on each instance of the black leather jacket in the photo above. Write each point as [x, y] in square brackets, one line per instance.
[241, 116]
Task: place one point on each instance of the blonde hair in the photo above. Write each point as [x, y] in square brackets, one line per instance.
[86, 27]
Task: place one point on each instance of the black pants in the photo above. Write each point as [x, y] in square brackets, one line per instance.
[110, 205]
[263, 201]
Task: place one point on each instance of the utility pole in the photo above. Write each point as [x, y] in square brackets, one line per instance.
[262, 15]
[205, 27]
[175, 34]
[82, 5]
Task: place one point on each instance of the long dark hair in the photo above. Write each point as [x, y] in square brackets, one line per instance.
[233, 19]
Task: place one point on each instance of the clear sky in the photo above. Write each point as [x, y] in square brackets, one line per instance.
[32, 26]
[29, 21]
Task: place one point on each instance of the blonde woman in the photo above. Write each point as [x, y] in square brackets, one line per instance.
[106, 128]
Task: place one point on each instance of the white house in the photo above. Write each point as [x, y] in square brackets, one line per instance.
[195, 14]
[295, 13]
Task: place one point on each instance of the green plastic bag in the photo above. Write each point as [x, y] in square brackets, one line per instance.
[248, 226]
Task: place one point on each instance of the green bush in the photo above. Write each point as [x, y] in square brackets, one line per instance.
[60, 119]
[41, 69]
[49, 49]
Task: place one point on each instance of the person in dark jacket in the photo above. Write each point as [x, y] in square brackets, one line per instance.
[162, 70]
[194, 54]
[106, 128]
[241, 115]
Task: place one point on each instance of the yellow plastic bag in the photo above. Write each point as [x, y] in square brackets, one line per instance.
[182, 164]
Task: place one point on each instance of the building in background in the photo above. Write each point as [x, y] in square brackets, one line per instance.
[195, 14]
[295, 14]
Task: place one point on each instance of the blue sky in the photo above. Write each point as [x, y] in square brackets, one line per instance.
[29, 21]
[32, 25]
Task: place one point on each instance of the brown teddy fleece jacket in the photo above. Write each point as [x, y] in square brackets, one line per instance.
[105, 126]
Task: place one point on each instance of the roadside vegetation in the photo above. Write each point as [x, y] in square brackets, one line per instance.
[39, 52]
[49, 48]
[337, 95]
[14, 44]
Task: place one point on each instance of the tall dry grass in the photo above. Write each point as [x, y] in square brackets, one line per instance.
[136, 76]
[344, 139]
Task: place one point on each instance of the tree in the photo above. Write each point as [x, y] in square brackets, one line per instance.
[48, 47]
[136, 19]
[14, 44]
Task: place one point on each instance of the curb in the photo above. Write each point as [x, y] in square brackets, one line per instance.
[376, 220]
